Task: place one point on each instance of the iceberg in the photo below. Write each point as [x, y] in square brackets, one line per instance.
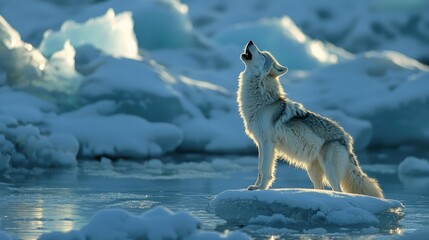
[156, 223]
[26, 67]
[304, 208]
[113, 34]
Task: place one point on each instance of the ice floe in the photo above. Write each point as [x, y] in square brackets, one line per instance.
[298, 209]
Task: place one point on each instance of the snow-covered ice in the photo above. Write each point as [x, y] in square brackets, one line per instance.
[414, 174]
[299, 208]
[413, 166]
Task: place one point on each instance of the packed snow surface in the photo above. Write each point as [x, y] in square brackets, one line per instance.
[298, 208]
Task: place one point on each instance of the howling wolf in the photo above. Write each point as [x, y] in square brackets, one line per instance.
[284, 129]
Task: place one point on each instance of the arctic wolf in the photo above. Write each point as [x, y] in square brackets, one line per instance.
[284, 129]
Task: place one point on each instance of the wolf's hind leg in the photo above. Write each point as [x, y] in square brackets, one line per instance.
[332, 163]
[315, 172]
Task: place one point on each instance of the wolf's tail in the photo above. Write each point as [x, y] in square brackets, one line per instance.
[356, 181]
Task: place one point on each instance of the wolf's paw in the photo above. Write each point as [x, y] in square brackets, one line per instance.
[252, 187]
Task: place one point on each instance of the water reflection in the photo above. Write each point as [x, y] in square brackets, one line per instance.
[67, 201]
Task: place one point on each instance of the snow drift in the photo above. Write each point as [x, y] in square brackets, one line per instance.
[300, 208]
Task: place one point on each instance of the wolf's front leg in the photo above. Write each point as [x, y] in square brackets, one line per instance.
[258, 180]
[266, 166]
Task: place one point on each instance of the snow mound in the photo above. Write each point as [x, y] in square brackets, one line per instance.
[402, 81]
[102, 131]
[23, 148]
[111, 33]
[144, 88]
[298, 208]
[25, 66]
[156, 223]
[413, 166]
[285, 41]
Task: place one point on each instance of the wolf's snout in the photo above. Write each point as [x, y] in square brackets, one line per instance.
[247, 55]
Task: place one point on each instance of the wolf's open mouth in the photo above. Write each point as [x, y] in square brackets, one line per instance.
[246, 55]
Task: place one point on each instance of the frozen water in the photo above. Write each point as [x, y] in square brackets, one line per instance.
[65, 201]
[111, 33]
[304, 207]
[156, 223]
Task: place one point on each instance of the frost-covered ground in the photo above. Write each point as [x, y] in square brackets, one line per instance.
[116, 79]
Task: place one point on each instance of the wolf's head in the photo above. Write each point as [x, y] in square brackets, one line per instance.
[261, 63]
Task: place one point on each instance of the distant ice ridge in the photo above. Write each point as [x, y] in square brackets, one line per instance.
[298, 209]
[110, 33]
[285, 41]
[156, 223]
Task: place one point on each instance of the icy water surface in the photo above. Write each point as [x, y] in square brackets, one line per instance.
[61, 201]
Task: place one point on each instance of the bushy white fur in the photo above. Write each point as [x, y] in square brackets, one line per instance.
[284, 129]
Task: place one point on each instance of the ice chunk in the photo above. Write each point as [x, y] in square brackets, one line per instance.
[27, 67]
[156, 223]
[24, 148]
[414, 174]
[102, 132]
[111, 33]
[307, 208]
[413, 166]
[290, 46]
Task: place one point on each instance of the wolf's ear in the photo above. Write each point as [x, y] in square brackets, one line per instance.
[278, 70]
